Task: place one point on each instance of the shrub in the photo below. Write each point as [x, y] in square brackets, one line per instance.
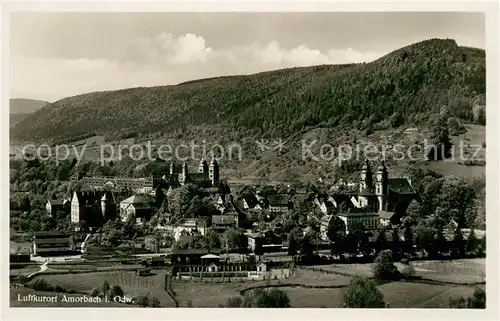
[58, 288]
[234, 302]
[95, 292]
[260, 298]
[384, 268]
[408, 271]
[143, 300]
[155, 303]
[362, 293]
[115, 290]
[40, 285]
[477, 301]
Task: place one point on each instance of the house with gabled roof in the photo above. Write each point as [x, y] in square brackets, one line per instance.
[279, 203]
[93, 206]
[141, 206]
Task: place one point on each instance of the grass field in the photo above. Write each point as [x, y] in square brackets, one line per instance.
[397, 294]
[131, 284]
[456, 271]
[473, 140]
[204, 294]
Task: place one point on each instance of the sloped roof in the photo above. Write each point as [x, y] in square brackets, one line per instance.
[138, 199]
[197, 177]
[250, 199]
[356, 211]
[400, 186]
[386, 215]
[223, 219]
[366, 192]
[55, 202]
[279, 200]
[255, 235]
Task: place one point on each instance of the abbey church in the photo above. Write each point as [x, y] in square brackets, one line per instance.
[207, 175]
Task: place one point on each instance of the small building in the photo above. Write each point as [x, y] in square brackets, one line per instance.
[190, 257]
[141, 206]
[261, 266]
[279, 203]
[369, 219]
[50, 243]
[385, 218]
[254, 240]
[189, 225]
[212, 268]
[54, 206]
[224, 222]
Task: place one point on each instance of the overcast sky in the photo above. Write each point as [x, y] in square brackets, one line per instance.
[56, 55]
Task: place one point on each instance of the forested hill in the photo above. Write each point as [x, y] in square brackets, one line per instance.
[406, 86]
[21, 108]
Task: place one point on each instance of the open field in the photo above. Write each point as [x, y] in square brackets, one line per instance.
[131, 284]
[466, 271]
[400, 294]
[473, 140]
[23, 269]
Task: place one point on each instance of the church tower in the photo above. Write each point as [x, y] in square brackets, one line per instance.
[171, 168]
[213, 172]
[381, 186]
[203, 166]
[366, 179]
[184, 173]
[104, 207]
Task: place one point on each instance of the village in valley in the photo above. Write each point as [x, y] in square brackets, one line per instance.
[330, 160]
[189, 227]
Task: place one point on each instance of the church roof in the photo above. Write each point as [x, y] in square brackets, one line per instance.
[366, 192]
[138, 199]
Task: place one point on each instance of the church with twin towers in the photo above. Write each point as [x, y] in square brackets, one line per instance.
[207, 174]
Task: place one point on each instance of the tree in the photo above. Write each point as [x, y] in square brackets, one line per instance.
[292, 244]
[306, 246]
[235, 239]
[115, 290]
[381, 240]
[211, 240]
[481, 116]
[362, 293]
[471, 243]
[105, 288]
[336, 229]
[458, 242]
[269, 298]
[384, 268]
[408, 241]
[478, 299]
[455, 127]
[425, 237]
[440, 139]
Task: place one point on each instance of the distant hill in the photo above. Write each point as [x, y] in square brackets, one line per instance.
[407, 86]
[26, 106]
[21, 108]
